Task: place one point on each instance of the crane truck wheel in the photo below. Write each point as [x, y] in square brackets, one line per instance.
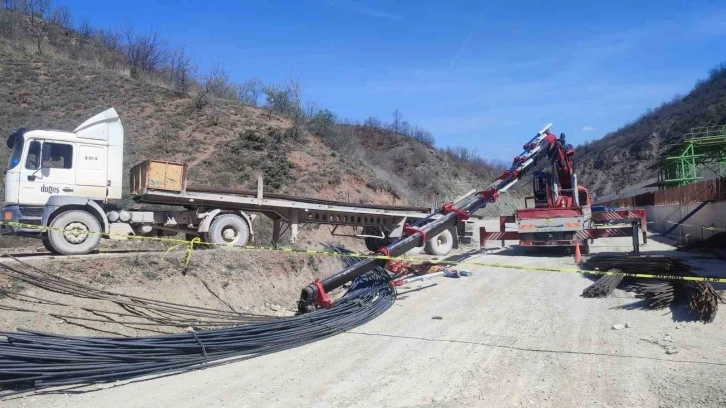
[74, 232]
[228, 229]
[440, 244]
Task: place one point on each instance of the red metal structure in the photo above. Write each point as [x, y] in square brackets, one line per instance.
[562, 194]
[561, 214]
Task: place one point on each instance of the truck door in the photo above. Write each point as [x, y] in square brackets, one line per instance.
[48, 170]
[91, 171]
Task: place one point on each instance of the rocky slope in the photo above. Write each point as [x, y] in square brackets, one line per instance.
[622, 158]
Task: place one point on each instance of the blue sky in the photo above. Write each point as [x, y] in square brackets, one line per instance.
[486, 75]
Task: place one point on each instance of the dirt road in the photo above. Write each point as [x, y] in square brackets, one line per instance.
[504, 338]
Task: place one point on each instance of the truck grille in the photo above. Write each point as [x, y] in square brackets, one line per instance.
[31, 211]
[30, 221]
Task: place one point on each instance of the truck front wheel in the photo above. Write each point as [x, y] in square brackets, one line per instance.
[48, 246]
[228, 229]
[74, 232]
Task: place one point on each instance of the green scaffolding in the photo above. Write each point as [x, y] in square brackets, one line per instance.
[704, 148]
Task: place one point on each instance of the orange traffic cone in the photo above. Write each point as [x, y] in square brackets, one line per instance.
[578, 255]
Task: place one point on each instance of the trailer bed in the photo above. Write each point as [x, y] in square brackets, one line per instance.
[311, 200]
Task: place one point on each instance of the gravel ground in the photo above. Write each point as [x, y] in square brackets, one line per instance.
[504, 338]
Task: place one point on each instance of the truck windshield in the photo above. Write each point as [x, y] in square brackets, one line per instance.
[15, 142]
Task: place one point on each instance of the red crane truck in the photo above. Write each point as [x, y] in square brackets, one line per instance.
[560, 215]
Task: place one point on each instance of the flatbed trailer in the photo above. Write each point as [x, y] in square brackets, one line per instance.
[58, 185]
[378, 224]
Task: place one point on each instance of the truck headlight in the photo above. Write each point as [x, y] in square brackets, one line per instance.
[7, 216]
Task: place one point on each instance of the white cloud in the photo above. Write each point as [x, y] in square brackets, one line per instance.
[588, 129]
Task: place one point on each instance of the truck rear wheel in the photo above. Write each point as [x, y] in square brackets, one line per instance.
[441, 244]
[74, 232]
[228, 229]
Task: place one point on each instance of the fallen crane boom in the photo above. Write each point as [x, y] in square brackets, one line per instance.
[314, 295]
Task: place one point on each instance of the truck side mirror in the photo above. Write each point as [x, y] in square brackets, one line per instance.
[45, 155]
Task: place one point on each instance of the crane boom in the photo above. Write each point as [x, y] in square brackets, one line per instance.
[315, 296]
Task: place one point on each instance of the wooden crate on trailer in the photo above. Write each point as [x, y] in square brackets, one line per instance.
[158, 175]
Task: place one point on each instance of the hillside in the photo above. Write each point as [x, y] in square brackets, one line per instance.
[226, 142]
[621, 158]
[415, 168]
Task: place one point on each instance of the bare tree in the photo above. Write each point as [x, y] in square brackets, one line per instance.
[219, 83]
[109, 39]
[286, 100]
[84, 28]
[37, 12]
[256, 91]
[182, 71]
[311, 109]
[216, 82]
[423, 136]
[8, 21]
[144, 52]
[297, 114]
[249, 91]
[61, 17]
[277, 99]
[372, 122]
[405, 128]
[109, 50]
[396, 124]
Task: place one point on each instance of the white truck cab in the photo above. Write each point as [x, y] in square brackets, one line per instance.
[50, 169]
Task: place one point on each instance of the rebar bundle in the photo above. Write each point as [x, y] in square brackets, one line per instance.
[604, 286]
[657, 294]
[702, 299]
[648, 264]
[30, 359]
[139, 311]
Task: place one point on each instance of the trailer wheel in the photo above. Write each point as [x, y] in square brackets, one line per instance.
[74, 232]
[228, 229]
[440, 244]
[370, 244]
[414, 251]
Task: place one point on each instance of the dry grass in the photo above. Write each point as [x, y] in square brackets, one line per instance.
[226, 143]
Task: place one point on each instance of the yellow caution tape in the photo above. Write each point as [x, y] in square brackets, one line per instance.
[188, 254]
[196, 241]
